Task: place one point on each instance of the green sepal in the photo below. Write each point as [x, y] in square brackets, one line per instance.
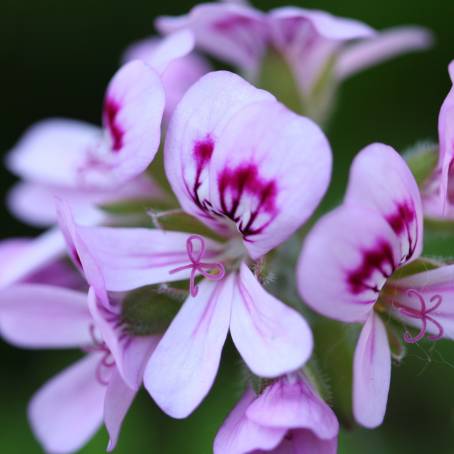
[147, 311]
[422, 159]
[396, 344]
[135, 206]
[183, 222]
[416, 266]
[277, 77]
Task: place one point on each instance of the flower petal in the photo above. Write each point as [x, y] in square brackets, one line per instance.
[292, 403]
[371, 373]
[51, 151]
[179, 74]
[118, 399]
[381, 47]
[380, 179]
[183, 367]
[132, 114]
[304, 442]
[234, 33]
[325, 24]
[67, 411]
[130, 353]
[345, 261]
[446, 139]
[272, 338]
[240, 435]
[268, 173]
[129, 258]
[170, 48]
[193, 133]
[39, 253]
[432, 286]
[80, 252]
[41, 316]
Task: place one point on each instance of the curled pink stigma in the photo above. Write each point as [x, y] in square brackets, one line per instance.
[212, 271]
[423, 315]
[106, 361]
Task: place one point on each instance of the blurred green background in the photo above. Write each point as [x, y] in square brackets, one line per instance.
[57, 57]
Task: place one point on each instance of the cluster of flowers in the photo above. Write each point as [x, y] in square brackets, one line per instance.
[247, 173]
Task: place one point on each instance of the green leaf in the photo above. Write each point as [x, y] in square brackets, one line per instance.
[422, 159]
[147, 312]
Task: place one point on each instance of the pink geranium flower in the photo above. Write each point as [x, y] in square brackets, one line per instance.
[349, 271]
[309, 40]
[252, 171]
[88, 165]
[288, 416]
[68, 410]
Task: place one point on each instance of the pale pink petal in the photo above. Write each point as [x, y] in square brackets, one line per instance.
[272, 338]
[436, 289]
[80, 252]
[381, 180]
[170, 48]
[51, 151]
[183, 367]
[58, 272]
[130, 353]
[268, 172]
[132, 114]
[345, 261]
[446, 140]
[371, 373]
[36, 255]
[118, 399]
[179, 75]
[41, 316]
[129, 258]
[231, 32]
[305, 442]
[292, 403]
[325, 24]
[194, 131]
[68, 410]
[240, 435]
[34, 204]
[381, 47]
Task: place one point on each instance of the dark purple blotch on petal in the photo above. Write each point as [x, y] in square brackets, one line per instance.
[111, 109]
[242, 181]
[381, 259]
[400, 221]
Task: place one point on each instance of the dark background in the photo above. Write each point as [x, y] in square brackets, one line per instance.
[56, 58]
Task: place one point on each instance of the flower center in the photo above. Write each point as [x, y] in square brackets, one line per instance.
[213, 271]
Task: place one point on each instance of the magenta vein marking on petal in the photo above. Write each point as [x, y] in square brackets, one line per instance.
[252, 309]
[111, 109]
[197, 266]
[208, 310]
[244, 181]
